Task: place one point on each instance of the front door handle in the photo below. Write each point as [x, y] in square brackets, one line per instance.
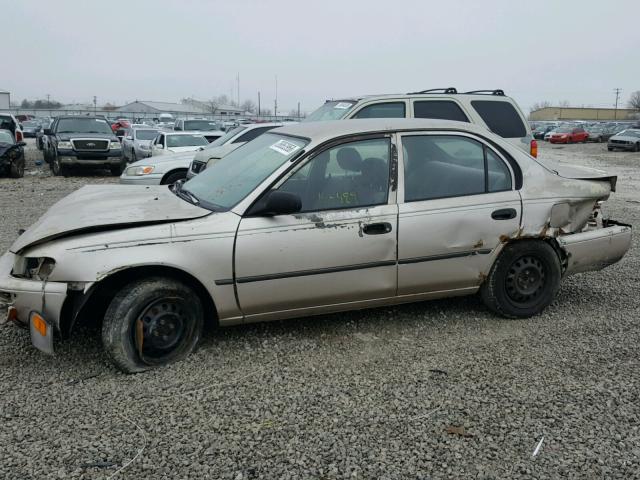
[377, 228]
[504, 214]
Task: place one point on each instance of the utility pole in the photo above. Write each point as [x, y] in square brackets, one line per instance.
[238, 78]
[298, 110]
[48, 102]
[275, 102]
[95, 104]
[615, 114]
[258, 102]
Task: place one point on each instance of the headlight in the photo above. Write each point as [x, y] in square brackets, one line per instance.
[40, 267]
[114, 145]
[66, 145]
[141, 170]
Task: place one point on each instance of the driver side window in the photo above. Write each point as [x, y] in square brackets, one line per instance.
[349, 175]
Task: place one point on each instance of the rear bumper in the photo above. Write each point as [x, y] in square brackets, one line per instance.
[30, 295]
[596, 249]
[621, 146]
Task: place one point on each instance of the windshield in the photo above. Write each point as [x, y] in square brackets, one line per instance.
[30, 123]
[200, 125]
[630, 133]
[330, 111]
[146, 134]
[185, 140]
[563, 130]
[234, 176]
[6, 137]
[83, 125]
[226, 137]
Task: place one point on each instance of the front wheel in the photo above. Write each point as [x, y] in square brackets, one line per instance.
[116, 170]
[56, 167]
[17, 169]
[150, 323]
[637, 147]
[524, 279]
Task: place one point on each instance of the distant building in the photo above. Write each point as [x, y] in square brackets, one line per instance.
[5, 99]
[576, 113]
[190, 107]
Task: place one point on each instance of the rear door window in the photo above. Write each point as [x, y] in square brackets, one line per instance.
[383, 110]
[501, 118]
[440, 109]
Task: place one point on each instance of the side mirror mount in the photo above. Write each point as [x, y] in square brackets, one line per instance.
[129, 137]
[21, 144]
[276, 203]
[47, 131]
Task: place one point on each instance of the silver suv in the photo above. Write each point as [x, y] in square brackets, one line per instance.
[491, 109]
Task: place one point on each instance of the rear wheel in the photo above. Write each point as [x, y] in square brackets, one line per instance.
[637, 147]
[133, 156]
[152, 322]
[524, 279]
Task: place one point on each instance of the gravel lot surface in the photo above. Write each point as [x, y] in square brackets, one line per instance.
[440, 389]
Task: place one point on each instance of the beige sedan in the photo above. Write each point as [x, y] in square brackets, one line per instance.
[307, 219]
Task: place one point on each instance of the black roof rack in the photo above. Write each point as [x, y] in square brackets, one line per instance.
[435, 90]
[498, 92]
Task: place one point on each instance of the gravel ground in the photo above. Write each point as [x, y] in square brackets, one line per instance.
[439, 389]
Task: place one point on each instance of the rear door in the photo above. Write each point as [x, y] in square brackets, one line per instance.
[339, 250]
[459, 200]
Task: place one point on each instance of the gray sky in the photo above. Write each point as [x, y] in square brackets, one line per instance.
[166, 50]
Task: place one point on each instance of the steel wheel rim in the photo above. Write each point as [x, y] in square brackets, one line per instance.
[526, 280]
[162, 328]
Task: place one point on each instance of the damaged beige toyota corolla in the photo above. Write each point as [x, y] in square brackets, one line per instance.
[307, 219]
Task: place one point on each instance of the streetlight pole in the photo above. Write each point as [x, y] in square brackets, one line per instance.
[258, 103]
[615, 113]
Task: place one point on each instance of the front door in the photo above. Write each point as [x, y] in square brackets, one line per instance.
[459, 200]
[339, 250]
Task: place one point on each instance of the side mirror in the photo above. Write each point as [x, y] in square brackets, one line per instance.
[129, 137]
[277, 203]
[21, 144]
[47, 131]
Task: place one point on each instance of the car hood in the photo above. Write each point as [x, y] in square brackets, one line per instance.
[69, 136]
[628, 138]
[216, 152]
[105, 207]
[192, 148]
[164, 159]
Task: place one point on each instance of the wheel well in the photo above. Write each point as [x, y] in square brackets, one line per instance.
[552, 242]
[91, 307]
[171, 172]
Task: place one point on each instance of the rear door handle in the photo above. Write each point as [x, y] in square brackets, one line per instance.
[504, 214]
[377, 228]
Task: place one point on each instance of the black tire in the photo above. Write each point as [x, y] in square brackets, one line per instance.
[133, 156]
[17, 169]
[164, 313]
[637, 147]
[173, 177]
[116, 170]
[610, 149]
[56, 167]
[524, 279]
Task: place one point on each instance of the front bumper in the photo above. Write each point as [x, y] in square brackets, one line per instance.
[151, 179]
[73, 158]
[596, 249]
[27, 296]
[621, 146]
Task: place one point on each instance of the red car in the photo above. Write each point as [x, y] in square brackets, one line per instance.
[120, 124]
[569, 135]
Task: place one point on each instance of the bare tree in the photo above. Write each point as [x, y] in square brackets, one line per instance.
[634, 100]
[249, 106]
[564, 104]
[540, 105]
[265, 112]
[212, 106]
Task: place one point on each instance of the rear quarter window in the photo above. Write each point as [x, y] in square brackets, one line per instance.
[440, 109]
[501, 118]
[382, 110]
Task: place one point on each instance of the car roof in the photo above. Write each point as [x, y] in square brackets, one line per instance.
[321, 131]
[190, 132]
[265, 124]
[357, 98]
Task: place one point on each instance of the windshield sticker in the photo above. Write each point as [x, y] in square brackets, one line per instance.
[284, 147]
[343, 105]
